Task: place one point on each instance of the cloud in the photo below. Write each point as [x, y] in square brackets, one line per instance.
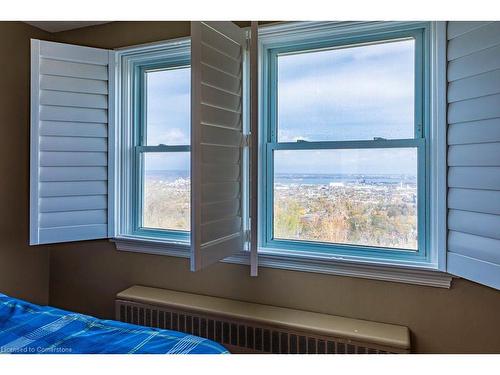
[370, 88]
[168, 107]
[170, 80]
[347, 94]
[164, 134]
[344, 58]
[354, 93]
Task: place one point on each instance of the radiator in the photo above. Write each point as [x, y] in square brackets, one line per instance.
[254, 328]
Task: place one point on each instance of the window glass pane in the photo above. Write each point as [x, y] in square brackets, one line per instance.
[168, 112]
[361, 197]
[166, 190]
[356, 93]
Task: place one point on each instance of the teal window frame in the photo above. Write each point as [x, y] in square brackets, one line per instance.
[269, 142]
[140, 147]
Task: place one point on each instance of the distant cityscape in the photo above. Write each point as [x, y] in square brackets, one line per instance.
[369, 210]
[166, 203]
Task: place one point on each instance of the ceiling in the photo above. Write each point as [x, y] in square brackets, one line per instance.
[56, 26]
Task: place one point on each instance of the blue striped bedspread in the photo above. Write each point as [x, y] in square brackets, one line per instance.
[29, 328]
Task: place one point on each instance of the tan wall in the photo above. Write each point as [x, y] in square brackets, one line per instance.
[86, 276]
[23, 269]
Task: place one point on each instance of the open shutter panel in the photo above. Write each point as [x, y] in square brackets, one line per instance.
[71, 88]
[217, 229]
[474, 151]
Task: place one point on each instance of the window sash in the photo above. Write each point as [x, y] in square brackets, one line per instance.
[270, 143]
[140, 148]
[346, 42]
[139, 229]
[268, 240]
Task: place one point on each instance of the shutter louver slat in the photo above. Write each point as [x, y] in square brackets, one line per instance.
[73, 174]
[220, 116]
[477, 63]
[484, 248]
[474, 177]
[63, 143]
[73, 69]
[70, 96]
[73, 129]
[220, 79]
[483, 131]
[73, 99]
[485, 201]
[73, 159]
[61, 113]
[76, 203]
[73, 233]
[77, 85]
[480, 224]
[72, 218]
[476, 155]
[217, 210]
[482, 108]
[216, 192]
[73, 188]
[213, 96]
[474, 87]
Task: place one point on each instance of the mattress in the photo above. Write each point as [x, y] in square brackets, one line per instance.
[29, 328]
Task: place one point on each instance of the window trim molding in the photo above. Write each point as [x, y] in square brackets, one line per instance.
[438, 145]
[367, 270]
[127, 61]
[141, 148]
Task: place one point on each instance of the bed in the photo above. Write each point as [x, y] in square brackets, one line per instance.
[29, 328]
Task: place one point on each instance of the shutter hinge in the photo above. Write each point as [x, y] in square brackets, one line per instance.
[246, 140]
[248, 36]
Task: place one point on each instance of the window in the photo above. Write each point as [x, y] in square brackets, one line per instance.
[345, 133]
[157, 139]
[351, 147]
[182, 183]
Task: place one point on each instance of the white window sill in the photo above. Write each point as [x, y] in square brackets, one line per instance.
[151, 246]
[409, 274]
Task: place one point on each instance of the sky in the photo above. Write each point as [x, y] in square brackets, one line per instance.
[353, 93]
[168, 117]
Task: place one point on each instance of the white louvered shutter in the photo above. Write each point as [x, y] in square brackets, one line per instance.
[474, 151]
[216, 142]
[71, 92]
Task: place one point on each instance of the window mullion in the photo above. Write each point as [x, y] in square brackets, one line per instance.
[163, 148]
[326, 145]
